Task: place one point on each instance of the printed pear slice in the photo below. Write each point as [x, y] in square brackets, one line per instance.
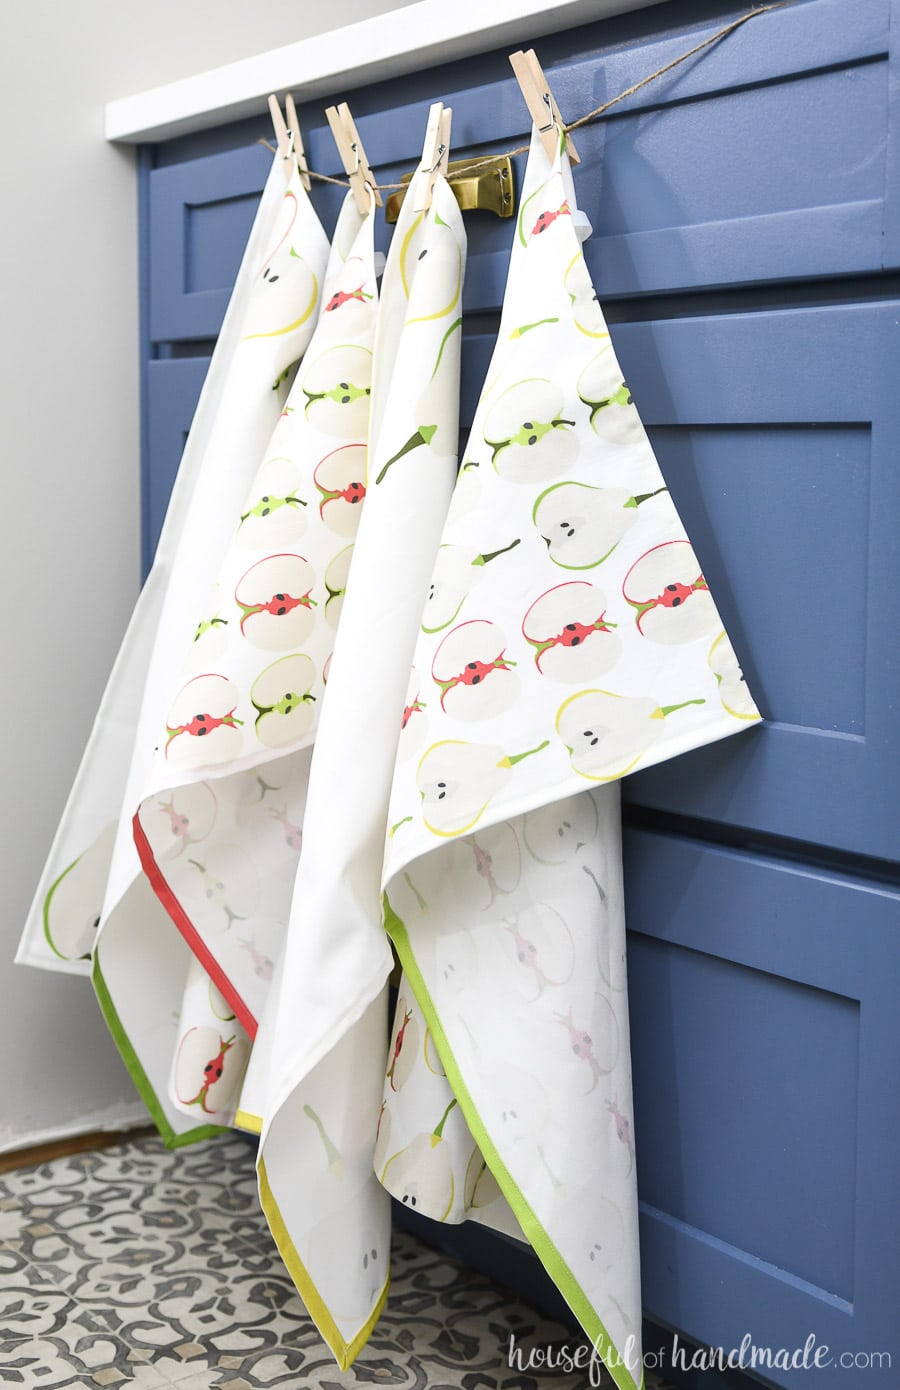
[340, 478]
[572, 640]
[608, 734]
[481, 1187]
[582, 524]
[733, 691]
[457, 570]
[554, 834]
[529, 434]
[74, 903]
[274, 512]
[672, 602]
[336, 388]
[421, 1175]
[336, 576]
[475, 678]
[285, 291]
[274, 599]
[457, 781]
[285, 708]
[202, 728]
[209, 1068]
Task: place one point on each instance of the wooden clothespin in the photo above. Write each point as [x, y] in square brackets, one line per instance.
[541, 103]
[435, 151]
[353, 155]
[287, 134]
[299, 151]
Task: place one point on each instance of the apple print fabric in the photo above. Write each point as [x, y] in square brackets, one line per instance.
[325, 1044]
[268, 322]
[188, 1076]
[220, 827]
[568, 638]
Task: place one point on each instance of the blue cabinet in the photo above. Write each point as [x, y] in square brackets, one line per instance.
[746, 247]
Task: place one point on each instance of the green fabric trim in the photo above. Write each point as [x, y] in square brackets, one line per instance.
[546, 1251]
[171, 1138]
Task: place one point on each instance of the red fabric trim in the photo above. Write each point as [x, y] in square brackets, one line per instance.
[163, 891]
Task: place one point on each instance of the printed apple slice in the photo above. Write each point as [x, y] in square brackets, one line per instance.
[274, 599]
[457, 570]
[568, 629]
[733, 691]
[340, 478]
[209, 1069]
[336, 576]
[457, 781]
[540, 941]
[210, 635]
[404, 1045]
[172, 823]
[581, 524]
[530, 437]
[224, 880]
[274, 512]
[382, 1140]
[421, 1175]
[608, 734]
[202, 728]
[218, 1004]
[600, 387]
[285, 708]
[73, 905]
[471, 669]
[669, 594]
[337, 387]
[497, 860]
[413, 719]
[554, 834]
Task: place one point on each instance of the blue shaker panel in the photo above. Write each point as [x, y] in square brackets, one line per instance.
[777, 435]
[173, 389]
[200, 217]
[767, 1120]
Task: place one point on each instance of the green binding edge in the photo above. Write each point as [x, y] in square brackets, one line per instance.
[170, 1137]
[344, 1352]
[547, 1252]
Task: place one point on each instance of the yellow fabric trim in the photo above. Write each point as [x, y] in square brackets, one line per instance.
[539, 1239]
[345, 1353]
[251, 1123]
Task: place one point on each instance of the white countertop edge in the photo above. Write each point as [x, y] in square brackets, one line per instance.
[388, 45]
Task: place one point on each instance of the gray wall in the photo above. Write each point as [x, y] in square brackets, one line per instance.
[69, 461]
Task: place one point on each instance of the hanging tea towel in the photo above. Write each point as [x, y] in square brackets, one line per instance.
[568, 638]
[234, 417]
[327, 1211]
[140, 960]
[220, 825]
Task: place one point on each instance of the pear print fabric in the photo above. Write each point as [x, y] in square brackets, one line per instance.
[327, 1047]
[142, 965]
[568, 638]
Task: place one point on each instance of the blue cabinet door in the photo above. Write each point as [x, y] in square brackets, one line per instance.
[746, 247]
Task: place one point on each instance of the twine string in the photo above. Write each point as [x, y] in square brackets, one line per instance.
[587, 119]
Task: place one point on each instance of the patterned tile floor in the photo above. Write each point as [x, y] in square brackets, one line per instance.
[136, 1266]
